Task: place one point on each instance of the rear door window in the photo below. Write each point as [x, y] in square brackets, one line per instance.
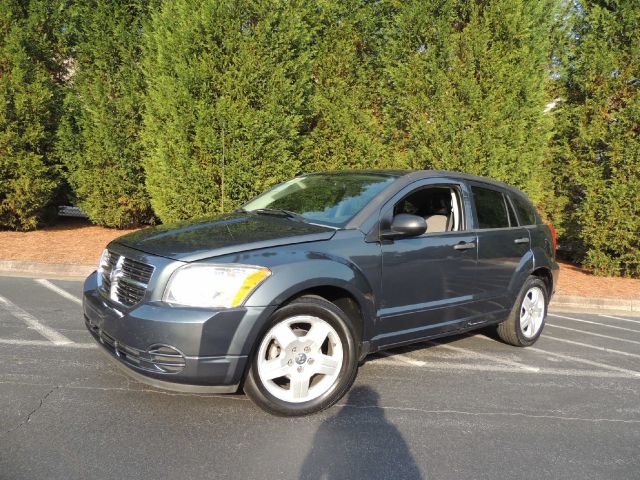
[525, 211]
[491, 208]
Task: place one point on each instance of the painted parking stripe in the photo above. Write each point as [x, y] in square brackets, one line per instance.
[584, 360]
[486, 356]
[402, 359]
[49, 333]
[58, 290]
[595, 323]
[593, 334]
[619, 318]
[451, 366]
[595, 347]
[44, 343]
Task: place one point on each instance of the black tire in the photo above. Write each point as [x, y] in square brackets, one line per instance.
[511, 331]
[318, 307]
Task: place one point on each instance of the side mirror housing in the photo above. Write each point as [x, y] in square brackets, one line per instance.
[406, 225]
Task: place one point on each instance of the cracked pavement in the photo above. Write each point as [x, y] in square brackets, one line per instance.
[463, 407]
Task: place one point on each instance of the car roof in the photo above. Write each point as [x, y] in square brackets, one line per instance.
[412, 176]
[409, 176]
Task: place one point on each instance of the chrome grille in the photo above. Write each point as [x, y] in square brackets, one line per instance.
[106, 266]
[124, 280]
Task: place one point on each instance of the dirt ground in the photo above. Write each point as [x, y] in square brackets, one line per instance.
[75, 241]
[72, 241]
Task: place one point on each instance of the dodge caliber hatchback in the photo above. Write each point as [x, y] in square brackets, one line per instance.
[287, 295]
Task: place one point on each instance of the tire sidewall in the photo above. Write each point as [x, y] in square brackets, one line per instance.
[338, 320]
[530, 283]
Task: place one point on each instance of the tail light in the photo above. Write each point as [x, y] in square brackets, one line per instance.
[553, 237]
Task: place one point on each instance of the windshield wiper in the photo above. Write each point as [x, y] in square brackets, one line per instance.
[279, 212]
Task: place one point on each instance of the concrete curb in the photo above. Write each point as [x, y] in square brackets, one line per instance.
[575, 301]
[36, 269]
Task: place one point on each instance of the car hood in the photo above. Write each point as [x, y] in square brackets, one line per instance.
[225, 234]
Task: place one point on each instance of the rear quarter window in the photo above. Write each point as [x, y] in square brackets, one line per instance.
[524, 209]
[490, 208]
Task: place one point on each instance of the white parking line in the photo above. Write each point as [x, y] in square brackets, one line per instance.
[449, 366]
[58, 290]
[595, 323]
[503, 361]
[619, 318]
[585, 361]
[594, 334]
[402, 359]
[43, 343]
[33, 322]
[595, 347]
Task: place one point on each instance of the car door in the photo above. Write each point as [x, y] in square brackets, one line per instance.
[428, 282]
[503, 249]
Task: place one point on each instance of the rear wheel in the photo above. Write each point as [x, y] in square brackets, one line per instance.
[526, 320]
[305, 362]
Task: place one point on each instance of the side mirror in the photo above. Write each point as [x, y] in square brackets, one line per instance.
[406, 225]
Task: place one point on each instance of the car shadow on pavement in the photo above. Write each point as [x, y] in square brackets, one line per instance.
[359, 442]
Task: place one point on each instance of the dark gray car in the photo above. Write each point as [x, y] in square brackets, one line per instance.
[287, 295]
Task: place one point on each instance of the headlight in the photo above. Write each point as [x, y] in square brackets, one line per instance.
[213, 285]
[104, 259]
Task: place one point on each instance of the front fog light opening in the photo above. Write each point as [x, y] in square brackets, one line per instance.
[166, 358]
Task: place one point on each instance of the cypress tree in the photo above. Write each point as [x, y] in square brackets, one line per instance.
[345, 124]
[31, 72]
[468, 87]
[598, 138]
[227, 88]
[99, 140]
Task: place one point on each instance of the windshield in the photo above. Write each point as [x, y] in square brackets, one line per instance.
[331, 199]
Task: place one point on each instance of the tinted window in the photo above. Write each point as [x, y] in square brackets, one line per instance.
[490, 208]
[525, 210]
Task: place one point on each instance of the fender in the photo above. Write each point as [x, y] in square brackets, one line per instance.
[317, 270]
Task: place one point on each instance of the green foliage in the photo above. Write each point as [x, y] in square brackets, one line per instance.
[598, 138]
[185, 108]
[99, 139]
[468, 88]
[346, 123]
[29, 110]
[227, 87]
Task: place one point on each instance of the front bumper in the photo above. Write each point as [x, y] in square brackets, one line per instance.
[200, 350]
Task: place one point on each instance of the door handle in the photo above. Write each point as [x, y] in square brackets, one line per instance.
[464, 246]
[521, 240]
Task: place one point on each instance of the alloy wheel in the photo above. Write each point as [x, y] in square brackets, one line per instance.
[532, 312]
[300, 359]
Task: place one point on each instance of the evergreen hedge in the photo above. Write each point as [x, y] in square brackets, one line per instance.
[345, 120]
[30, 107]
[598, 139]
[227, 87]
[468, 88]
[186, 108]
[99, 138]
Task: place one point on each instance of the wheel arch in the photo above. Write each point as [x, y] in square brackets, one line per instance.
[544, 273]
[340, 297]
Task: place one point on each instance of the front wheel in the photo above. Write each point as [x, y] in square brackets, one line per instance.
[305, 362]
[526, 320]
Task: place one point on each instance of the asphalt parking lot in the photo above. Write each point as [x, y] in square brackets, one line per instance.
[463, 407]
